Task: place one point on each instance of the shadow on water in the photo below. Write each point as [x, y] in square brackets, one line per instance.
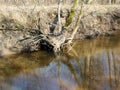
[90, 65]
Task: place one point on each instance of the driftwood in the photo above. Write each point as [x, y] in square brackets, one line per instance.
[56, 42]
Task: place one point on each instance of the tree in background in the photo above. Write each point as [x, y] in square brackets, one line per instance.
[112, 2]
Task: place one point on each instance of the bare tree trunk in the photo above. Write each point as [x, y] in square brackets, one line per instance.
[113, 1]
[72, 13]
[77, 23]
[110, 2]
[59, 21]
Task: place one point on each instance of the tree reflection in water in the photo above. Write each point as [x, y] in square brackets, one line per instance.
[90, 65]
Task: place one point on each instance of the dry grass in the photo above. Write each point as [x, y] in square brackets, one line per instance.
[17, 11]
[27, 15]
[32, 2]
[47, 2]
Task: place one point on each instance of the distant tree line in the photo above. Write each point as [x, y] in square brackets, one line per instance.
[108, 1]
[49, 2]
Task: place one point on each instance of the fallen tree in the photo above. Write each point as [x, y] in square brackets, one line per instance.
[58, 39]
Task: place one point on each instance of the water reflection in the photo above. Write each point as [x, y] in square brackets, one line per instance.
[90, 65]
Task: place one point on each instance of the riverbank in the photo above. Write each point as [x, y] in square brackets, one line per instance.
[19, 24]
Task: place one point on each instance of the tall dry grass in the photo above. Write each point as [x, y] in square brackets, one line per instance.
[31, 2]
[28, 15]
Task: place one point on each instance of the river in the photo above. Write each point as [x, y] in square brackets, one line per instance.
[90, 65]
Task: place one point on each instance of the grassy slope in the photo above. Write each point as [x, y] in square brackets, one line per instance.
[16, 10]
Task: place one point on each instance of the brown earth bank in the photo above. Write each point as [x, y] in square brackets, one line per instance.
[21, 26]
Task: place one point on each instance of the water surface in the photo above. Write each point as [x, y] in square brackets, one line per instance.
[90, 65]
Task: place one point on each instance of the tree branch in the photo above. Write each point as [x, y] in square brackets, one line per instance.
[59, 21]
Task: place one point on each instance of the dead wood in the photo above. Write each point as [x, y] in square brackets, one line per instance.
[61, 39]
[56, 41]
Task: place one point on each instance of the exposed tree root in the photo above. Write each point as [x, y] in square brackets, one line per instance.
[59, 41]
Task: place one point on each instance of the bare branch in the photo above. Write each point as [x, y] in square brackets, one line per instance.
[59, 21]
